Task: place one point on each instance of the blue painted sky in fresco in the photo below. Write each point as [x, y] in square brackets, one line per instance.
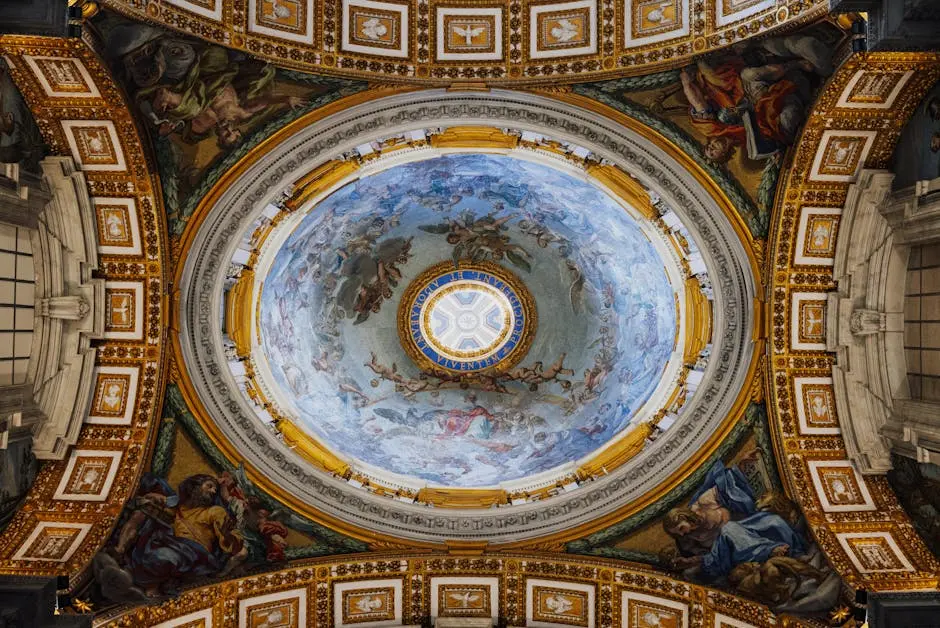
[601, 290]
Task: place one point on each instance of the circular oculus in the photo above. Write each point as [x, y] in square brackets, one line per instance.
[469, 318]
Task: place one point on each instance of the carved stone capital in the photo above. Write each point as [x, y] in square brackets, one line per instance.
[866, 322]
[70, 308]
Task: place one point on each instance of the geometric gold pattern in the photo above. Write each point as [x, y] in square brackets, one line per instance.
[542, 41]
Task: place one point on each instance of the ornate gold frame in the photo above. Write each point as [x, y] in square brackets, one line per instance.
[525, 298]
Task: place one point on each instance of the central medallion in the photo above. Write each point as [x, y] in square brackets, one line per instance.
[466, 318]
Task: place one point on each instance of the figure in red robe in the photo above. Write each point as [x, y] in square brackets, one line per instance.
[459, 422]
[759, 108]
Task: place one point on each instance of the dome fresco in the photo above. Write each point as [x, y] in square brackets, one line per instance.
[329, 320]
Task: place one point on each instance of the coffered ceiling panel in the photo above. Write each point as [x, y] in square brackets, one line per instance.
[504, 41]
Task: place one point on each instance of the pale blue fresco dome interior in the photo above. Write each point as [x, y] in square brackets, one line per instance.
[607, 321]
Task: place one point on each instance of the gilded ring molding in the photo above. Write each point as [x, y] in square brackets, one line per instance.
[722, 395]
[506, 361]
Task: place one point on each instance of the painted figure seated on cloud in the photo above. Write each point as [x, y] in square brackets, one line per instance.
[755, 99]
[722, 527]
[212, 93]
[175, 535]
[725, 535]
[166, 537]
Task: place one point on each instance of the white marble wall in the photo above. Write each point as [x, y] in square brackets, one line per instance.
[884, 322]
[50, 309]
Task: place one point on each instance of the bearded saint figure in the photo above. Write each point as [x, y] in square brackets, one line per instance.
[722, 528]
[173, 536]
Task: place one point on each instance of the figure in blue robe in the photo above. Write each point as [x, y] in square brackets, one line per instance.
[722, 528]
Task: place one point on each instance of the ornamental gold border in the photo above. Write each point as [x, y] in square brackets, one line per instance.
[425, 320]
[611, 60]
[796, 190]
[483, 137]
[148, 354]
[610, 579]
[498, 271]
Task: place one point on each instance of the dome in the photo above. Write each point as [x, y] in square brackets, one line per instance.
[459, 320]
[511, 325]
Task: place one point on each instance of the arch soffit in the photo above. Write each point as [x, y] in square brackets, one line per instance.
[613, 40]
[610, 589]
[63, 523]
[868, 538]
